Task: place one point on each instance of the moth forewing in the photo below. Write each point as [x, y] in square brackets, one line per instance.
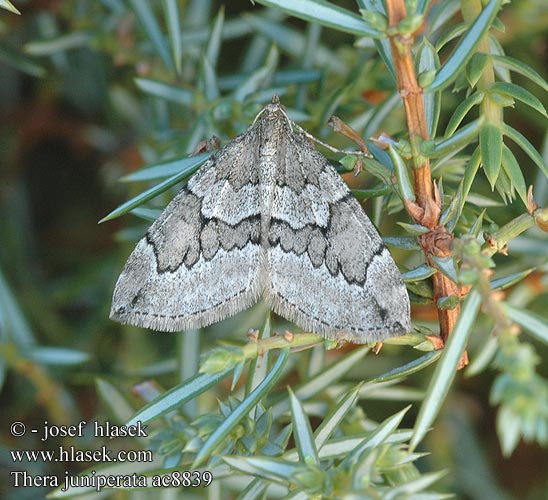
[269, 216]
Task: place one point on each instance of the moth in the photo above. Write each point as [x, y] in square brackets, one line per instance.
[266, 216]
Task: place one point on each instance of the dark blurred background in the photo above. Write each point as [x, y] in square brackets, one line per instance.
[73, 121]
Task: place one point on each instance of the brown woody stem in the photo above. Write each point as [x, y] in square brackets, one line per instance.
[427, 209]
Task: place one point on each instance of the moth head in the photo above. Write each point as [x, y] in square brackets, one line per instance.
[273, 112]
[275, 107]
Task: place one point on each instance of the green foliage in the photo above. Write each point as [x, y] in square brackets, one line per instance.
[6, 4]
[285, 416]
